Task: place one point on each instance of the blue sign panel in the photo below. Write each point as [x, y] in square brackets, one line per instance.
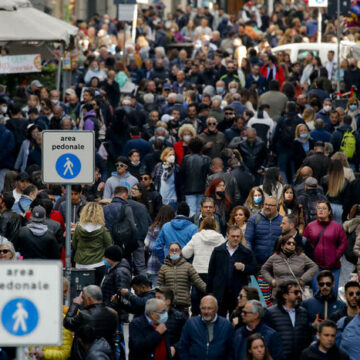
[68, 166]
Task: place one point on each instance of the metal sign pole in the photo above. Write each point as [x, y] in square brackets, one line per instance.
[319, 26]
[20, 353]
[338, 49]
[68, 239]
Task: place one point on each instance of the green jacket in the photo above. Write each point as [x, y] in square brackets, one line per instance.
[89, 246]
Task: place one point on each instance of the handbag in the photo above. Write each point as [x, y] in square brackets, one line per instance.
[306, 292]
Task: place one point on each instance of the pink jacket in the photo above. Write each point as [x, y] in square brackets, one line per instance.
[331, 246]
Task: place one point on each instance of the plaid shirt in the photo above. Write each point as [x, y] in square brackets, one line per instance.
[154, 264]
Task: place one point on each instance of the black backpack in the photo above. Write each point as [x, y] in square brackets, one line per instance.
[287, 133]
[123, 232]
[310, 204]
[349, 253]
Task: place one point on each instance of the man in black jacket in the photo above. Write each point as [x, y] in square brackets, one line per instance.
[148, 335]
[325, 347]
[318, 161]
[35, 240]
[230, 265]
[290, 320]
[244, 179]
[176, 319]
[95, 314]
[10, 221]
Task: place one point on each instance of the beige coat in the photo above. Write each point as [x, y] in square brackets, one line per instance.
[179, 277]
[354, 225]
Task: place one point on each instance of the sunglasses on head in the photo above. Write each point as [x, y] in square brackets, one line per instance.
[4, 251]
[327, 284]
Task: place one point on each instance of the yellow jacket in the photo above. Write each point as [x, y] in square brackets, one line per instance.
[61, 352]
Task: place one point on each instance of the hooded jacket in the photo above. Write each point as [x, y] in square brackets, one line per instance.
[35, 241]
[115, 180]
[201, 247]
[179, 276]
[180, 229]
[330, 247]
[89, 243]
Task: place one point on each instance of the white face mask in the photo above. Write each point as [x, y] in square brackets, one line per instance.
[4, 109]
[327, 108]
[171, 159]
[233, 90]
[187, 138]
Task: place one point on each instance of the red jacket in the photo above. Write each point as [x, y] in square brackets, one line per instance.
[278, 76]
[180, 151]
[331, 246]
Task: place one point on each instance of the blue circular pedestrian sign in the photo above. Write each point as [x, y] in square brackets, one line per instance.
[68, 166]
[20, 317]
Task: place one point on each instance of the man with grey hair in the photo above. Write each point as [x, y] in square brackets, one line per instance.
[214, 139]
[148, 336]
[207, 334]
[95, 314]
[263, 230]
[252, 315]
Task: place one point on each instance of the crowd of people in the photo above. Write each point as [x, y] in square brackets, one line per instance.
[225, 213]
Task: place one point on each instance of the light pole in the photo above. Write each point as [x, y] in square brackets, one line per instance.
[338, 48]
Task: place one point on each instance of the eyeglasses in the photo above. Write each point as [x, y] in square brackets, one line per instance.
[322, 208]
[327, 284]
[246, 312]
[270, 205]
[351, 293]
[120, 165]
[135, 189]
[295, 292]
[144, 177]
[229, 113]
[4, 251]
[160, 312]
[291, 243]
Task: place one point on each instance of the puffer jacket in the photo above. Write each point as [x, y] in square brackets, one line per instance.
[89, 243]
[330, 247]
[61, 352]
[261, 237]
[350, 338]
[277, 268]
[201, 246]
[350, 226]
[179, 276]
[294, 338]
[180, 229]
[195, 168]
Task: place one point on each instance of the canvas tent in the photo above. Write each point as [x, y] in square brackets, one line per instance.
[25, 29]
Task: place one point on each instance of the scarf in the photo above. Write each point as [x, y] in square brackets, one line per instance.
[168, 171]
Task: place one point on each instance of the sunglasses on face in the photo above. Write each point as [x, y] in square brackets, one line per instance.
[144, 178]
[295, 292]
[290, 243]
[5, 251]
[327, 284]
[351, 293]
[120, 165]
[211, 123]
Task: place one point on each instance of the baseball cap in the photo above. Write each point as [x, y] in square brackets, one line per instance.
[38, 214]
[320, 144]
[70, 92]
[166, 118]
[311, 182]
[37, 83]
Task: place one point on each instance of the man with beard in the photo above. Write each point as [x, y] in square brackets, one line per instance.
[229, 118]
[324, 303]
[290, 320]
[231, 75]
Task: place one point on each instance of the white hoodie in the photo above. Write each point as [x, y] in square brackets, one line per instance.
[201, 247]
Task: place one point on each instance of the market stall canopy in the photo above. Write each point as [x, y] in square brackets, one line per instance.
[20, 22]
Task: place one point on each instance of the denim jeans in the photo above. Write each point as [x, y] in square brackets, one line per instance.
[194, 202]
[337, 211]
[285, 161]
[138, 258]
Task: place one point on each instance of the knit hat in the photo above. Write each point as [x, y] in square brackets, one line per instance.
[113, 253]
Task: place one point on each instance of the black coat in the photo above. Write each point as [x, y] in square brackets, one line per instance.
[136, 304]
[319, 164]
[253, 154]
[174, 324]
[220, 279]
[99, 350]
[100, 317]
[298, 152]
[143, 340]
[313, 353]
[37, 247]
[294, 339]
[10, 224]
[195, 168]
[351, 197]
[142, 219]
[245, 181]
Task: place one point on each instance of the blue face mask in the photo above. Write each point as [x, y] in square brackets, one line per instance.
[108, 266]
[257, 199]
[163, 318]
[219, 90]
[174, 257]
[303, 136]
[352, 107]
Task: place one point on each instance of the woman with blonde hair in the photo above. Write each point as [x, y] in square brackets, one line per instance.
[255, 200]
[309, 117]
[90, 240]
[348, 172]
[335, 184]
[201, 247]
[186, 133]
[166, 178]
[302, 145]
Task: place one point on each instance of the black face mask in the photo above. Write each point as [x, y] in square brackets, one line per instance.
[288, 252]
[221, 194]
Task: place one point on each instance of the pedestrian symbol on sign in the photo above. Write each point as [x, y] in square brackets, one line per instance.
[68, 166]
[20, 317]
